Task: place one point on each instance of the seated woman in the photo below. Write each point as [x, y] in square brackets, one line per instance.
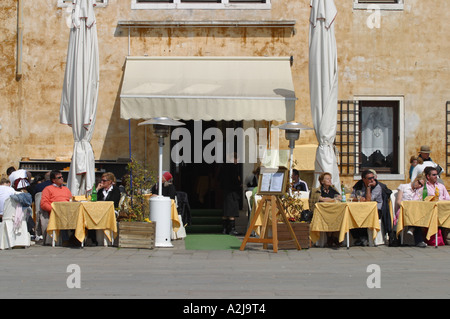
[106, 191]
[325, 193]
[168, 189]
[411, 191]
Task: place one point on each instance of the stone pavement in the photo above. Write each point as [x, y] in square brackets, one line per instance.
[110, 272]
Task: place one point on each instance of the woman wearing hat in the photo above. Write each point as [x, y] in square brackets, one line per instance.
[168, 189]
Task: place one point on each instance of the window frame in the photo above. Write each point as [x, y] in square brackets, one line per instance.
[368, 5]
[401, 135]
[224, 4]
[348, 136]
[391, 104]
[66, 3]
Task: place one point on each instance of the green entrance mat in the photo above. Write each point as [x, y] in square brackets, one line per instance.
[211, 242]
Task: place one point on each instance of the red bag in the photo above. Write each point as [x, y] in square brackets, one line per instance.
[432, 241]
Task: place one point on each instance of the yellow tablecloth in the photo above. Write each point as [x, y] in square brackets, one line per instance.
[341, 217]
[443, 213]
[174, 217]
[82, 215]
[424, 214]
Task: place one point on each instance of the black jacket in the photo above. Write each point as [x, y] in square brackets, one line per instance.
[168, 190]
[113, 195]
[384, 213]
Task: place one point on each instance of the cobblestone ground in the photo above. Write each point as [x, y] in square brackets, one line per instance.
[109, 272]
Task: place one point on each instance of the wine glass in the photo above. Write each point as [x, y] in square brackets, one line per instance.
[358, 195]
[337, 198]
[352, 197]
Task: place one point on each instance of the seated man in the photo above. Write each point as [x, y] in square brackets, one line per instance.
[431, 184]
[56, 192]
[298, 184]
[372, 190]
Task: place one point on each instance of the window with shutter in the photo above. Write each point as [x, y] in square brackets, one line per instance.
[370, 134]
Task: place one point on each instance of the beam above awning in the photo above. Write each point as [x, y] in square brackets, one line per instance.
[208, 88]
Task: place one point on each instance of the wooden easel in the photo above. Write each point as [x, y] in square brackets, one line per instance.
[277, 208]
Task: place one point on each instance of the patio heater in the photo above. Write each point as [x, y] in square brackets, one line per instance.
[160, 206]
[292, 134]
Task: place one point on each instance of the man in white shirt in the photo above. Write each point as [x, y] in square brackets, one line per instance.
[420, 168]
[424, 154]
[298, 184]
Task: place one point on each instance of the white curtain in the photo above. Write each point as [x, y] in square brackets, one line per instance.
[79, 97]
[377, 130]
[323, 83]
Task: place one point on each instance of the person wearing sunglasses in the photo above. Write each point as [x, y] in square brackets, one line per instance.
[431, 175]
[411, 191]
[56, 192]
[372, 190]
[431, 183]
[106, 191]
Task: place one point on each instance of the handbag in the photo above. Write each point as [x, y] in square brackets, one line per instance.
[432, 241]
[306, 216]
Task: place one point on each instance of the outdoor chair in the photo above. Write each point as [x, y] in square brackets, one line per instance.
[248, 195]
[183, 207]
[37, 210]
[41, 220]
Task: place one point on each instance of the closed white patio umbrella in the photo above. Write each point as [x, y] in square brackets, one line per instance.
[79, 97]
[323, 83]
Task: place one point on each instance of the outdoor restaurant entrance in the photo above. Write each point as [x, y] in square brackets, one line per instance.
[196, 174]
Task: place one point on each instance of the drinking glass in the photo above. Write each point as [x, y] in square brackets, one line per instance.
[336, 198]
[358, 195]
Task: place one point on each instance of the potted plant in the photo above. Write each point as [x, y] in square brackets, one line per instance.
[135, 228]
[293, 206]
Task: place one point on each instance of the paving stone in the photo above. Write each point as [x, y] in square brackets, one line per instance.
[109, 272]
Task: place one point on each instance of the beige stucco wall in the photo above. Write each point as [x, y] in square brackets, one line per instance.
[407, 56]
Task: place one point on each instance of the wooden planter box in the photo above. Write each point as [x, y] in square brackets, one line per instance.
[137, 234]
[301, 231]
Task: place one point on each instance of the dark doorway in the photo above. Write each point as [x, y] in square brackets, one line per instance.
[198, 178]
